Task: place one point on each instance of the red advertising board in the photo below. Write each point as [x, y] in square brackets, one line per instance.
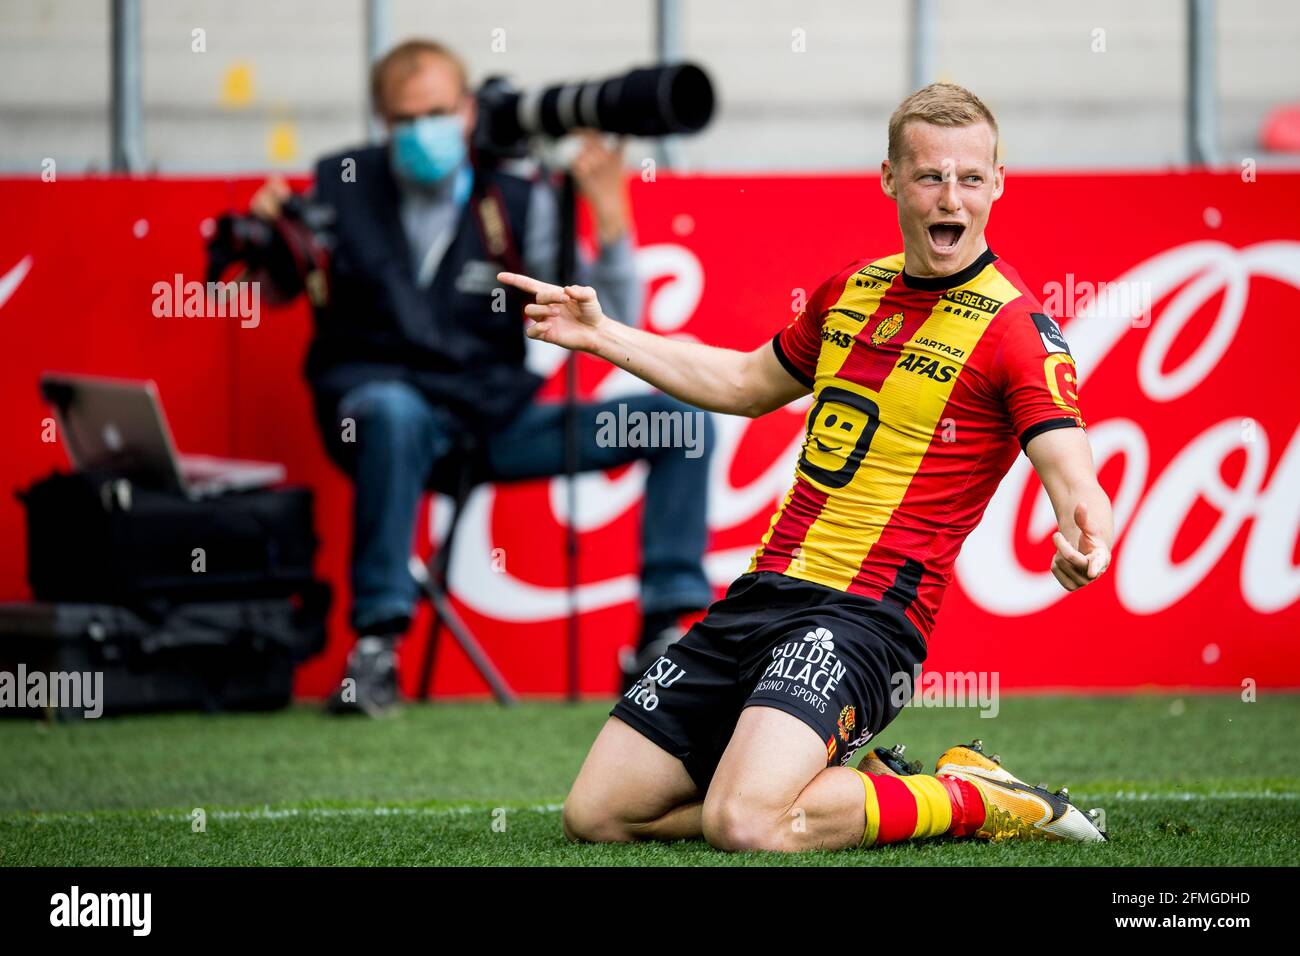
[1177, 293]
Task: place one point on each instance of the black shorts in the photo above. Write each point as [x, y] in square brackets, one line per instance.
[842, 663]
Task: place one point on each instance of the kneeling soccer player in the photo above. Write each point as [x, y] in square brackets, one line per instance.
[929, 370]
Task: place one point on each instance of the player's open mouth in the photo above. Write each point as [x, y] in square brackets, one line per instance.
[944, 236]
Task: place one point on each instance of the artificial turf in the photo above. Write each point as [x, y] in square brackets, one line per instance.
[1190, 779]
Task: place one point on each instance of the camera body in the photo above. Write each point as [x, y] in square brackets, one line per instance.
[288, 256]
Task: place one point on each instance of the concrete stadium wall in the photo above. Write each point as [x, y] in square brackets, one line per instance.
[282, 82]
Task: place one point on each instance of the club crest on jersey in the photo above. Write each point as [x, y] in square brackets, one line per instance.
[886, 329]
[847, 722]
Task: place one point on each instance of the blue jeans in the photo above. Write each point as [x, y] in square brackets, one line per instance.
[400, 436]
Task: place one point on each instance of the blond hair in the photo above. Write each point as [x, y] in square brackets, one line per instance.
[942, 104]
[403, 60]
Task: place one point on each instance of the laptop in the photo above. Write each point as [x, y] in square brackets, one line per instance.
[117, 426]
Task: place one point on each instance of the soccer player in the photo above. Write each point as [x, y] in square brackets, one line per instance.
[930, 371]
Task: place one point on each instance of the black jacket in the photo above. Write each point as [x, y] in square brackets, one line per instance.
[445, 340]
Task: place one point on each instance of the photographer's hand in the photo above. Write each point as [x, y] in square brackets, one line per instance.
[570, 317]
[598, 171]
[269, 199]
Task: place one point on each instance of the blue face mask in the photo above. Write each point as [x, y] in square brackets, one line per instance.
[429, 149]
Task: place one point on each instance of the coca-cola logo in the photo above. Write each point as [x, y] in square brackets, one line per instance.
[1151, 501]
[1154, 498]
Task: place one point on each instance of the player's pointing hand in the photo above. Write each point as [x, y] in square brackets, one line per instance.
[569, 316]
[1075, 567]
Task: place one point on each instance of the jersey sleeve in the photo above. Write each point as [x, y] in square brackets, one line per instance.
[798, 345]
[1040, 382]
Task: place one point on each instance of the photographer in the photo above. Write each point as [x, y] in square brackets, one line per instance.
[418, 348]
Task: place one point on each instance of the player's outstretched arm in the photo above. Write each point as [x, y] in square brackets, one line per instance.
[1063, 460]
[717, 379]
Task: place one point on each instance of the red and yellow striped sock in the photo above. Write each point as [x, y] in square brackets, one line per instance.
[918, 806]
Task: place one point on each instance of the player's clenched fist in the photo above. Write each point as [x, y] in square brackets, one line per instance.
[568, 316]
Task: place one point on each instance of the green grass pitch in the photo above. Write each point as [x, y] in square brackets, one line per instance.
[1191, 779]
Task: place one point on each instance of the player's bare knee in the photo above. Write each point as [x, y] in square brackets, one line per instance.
[580, 826]
[586, 821]
[735, 825]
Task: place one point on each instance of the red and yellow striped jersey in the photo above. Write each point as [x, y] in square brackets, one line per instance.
[921, 388]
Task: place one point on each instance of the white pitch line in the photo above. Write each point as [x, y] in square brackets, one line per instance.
[268, 813]
[1184, 795]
